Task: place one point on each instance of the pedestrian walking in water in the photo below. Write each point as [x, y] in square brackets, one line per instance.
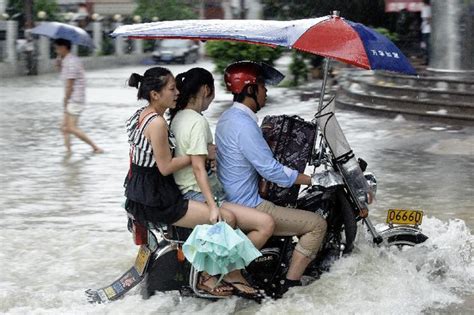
[426, 30]
[72, 73]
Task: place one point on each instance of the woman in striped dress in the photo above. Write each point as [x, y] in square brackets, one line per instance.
[151, 192]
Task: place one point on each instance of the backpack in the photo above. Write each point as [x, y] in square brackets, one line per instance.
[291, 140]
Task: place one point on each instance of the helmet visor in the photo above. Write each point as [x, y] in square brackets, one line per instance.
[271, 76]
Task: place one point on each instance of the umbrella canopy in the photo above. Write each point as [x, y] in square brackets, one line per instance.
[57, 30]
[219, 249]
[329, 36]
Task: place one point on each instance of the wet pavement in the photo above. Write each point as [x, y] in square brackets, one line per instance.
[63, 228]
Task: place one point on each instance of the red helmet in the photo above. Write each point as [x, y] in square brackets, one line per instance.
[239, 74]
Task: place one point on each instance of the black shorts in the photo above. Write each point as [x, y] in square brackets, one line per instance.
[153, 197]
[143, 213]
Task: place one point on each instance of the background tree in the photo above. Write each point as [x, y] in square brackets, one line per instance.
[16, 9]
[224, 53]
[166, 10]
[367, 12]
[50, 7]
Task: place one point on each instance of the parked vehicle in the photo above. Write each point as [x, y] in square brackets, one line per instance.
[176, 50]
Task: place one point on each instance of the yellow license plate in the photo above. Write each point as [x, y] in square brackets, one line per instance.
[404, 216]
[142, 259]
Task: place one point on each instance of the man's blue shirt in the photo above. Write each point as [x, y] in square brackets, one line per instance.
[242, 154]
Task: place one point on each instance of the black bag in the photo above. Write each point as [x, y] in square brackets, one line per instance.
[291, 140]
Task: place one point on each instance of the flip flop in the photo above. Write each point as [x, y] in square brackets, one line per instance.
[216, 291]
[256, 296]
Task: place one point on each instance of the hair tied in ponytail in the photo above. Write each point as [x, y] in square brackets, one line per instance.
[135, 79]
[154, 79]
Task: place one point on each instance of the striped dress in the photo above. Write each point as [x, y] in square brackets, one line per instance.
[151, 196]
[141, 151]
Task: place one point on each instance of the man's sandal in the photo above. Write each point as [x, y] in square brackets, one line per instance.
[256, 295]
[222, 289]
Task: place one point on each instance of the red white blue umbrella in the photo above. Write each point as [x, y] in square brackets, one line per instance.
[329, 36]
[55, 30]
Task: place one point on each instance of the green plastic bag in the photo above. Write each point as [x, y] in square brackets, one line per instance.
[219, 249]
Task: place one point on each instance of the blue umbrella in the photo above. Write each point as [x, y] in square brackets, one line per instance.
[329, 36]
[219, 249]
[55, 30]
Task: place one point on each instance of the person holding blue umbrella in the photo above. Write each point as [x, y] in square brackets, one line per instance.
[57, 30]
[72, 73]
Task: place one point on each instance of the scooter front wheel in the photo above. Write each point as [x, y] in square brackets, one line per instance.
[403, 236]
[349, 221]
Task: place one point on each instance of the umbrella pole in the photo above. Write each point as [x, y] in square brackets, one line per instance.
[327, 62]
[323, 87]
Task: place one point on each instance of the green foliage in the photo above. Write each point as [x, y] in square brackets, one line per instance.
[165, 10]
[148, 45]
[368, 12]
[390, 35]
[108, 47]
[50, 7]
[224, 53]
[16, 7]
[298, 68]
[83, 51]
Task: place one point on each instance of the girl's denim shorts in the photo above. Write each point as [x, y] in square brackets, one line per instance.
[198, 196]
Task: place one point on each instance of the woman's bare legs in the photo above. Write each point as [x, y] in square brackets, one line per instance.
[198, 213]
[259, 227]
[67, 135]
[70, 127]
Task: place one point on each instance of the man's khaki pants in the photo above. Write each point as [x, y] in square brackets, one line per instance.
[311, 227]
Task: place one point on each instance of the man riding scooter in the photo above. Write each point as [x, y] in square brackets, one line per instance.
[243, 155]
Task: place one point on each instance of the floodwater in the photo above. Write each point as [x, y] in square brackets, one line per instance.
[63, 228]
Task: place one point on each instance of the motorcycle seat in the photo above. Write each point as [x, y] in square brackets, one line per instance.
[149, 225]
[168, 232]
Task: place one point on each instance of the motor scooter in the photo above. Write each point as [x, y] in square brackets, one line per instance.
[341, 195]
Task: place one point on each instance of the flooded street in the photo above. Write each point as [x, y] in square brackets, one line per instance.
[63, 229]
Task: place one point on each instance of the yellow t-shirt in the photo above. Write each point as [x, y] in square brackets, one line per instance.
[193, 135]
